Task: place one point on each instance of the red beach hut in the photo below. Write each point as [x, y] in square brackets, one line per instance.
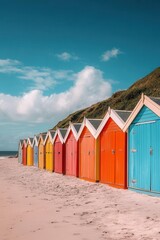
[59, 150]
[113, 148]
[24, 152]
[71, 150]
[89, 150]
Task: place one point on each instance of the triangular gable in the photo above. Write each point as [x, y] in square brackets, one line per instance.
[42, 137]
[89, 123]
[50, 134]
[149, 102]
[30, 141]
[61, 134]
[118, 116]
[24, 142]
[145, 115]
[74, 127]
[35, 140]
[20, 143]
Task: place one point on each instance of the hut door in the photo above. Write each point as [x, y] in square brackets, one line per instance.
[155, 156]
[89, 164]
[35, 155]
[111, 153]
[139, 157]
[41, 155]
[120, 158]
[59, 156]
[50, 157]
[69, 156]
[73, 157]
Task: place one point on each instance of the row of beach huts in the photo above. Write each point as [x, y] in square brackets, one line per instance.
[121, 150]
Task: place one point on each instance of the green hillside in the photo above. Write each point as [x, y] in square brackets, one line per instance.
[122, 100]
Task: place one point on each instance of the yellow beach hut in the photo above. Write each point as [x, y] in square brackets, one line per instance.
[30, 151]
[49, 150]
[41, 150]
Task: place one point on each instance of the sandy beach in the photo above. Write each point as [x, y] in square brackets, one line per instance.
[36, 204]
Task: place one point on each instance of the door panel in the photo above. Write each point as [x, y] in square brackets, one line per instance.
[68, 157]
[155, 156]
[91, 158]
[120, 165]
[58, 157]
[35, 155]
[104, 157]
[47, 155]
[110, 152]
[83, 158]
[139, 157]
[87, 157]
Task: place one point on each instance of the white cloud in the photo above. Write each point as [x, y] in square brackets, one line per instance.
[42, 78]
[110, 54]
[65, 56]
[33, 112]
[89, 87]
[8, 62]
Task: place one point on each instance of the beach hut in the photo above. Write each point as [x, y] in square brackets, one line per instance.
[89, 150]
[113, 148]
[20, 151]
[71, 150]
[49, 150]
[59, 150]
[24, 152]
[41, 150]
[35, 151]
[30, 151]
[143, 127]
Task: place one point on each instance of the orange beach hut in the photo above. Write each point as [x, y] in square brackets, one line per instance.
[49, 150]
[72, 150]
[89, 150]
[59, 150]
[41, 150]
[113, 148]
[30, 151]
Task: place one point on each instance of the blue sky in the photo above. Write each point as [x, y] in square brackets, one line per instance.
[54, 53]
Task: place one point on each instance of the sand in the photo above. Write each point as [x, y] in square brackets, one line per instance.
[36, 204]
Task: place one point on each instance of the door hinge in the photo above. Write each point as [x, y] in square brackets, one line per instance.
[133, 180]
[133, 150]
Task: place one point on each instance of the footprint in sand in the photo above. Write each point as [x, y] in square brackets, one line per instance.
[76, 234]
[84, 213]
[65, 221]
[38, 229]
[88, 202]
[52, 222]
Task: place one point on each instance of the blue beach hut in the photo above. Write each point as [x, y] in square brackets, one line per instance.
[143, 127]
[35, 147]
[20, 151]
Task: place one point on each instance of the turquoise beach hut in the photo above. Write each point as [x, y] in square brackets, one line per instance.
[143, 127]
